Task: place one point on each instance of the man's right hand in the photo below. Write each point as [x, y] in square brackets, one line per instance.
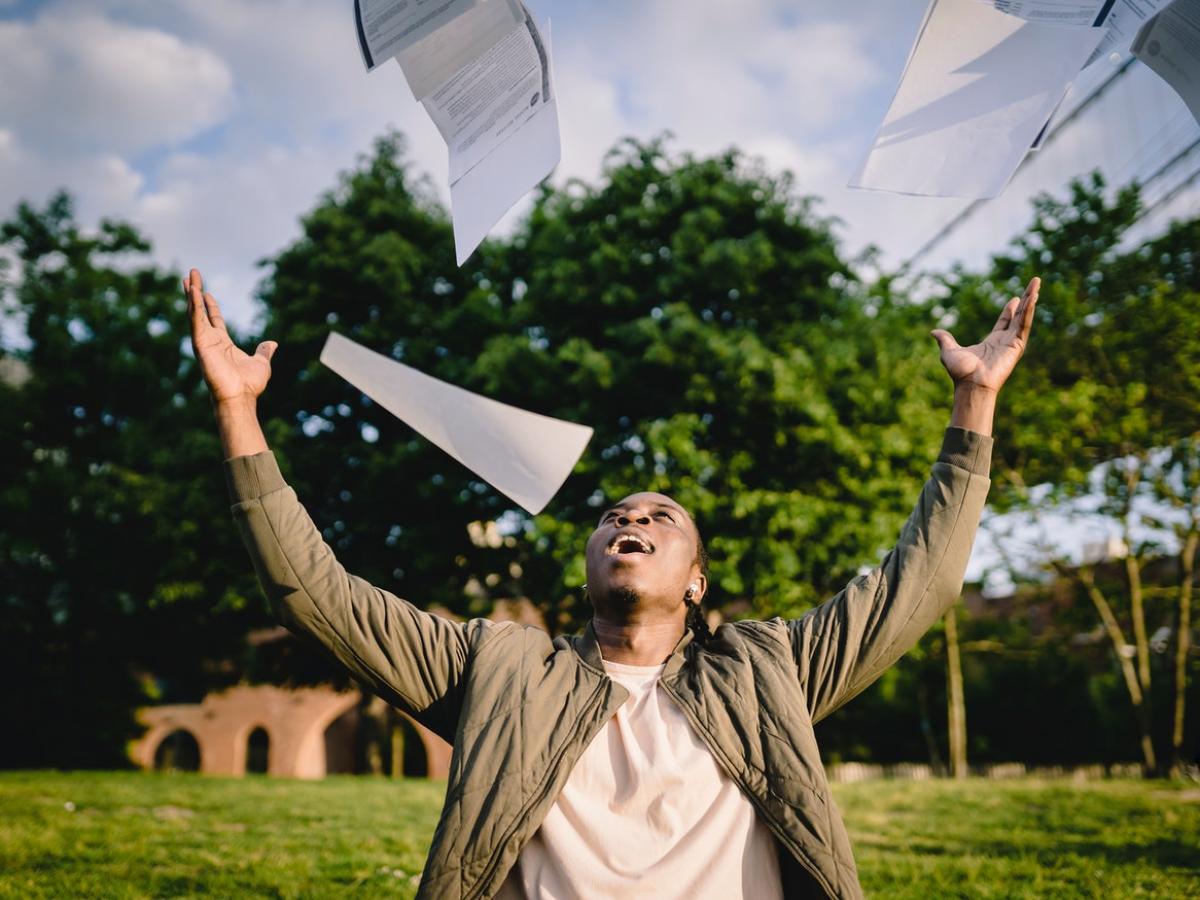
[233, 376]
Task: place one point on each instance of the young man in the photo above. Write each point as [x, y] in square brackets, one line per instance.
[644, 757]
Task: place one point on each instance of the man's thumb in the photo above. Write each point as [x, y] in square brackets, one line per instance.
[945, 339]
[266, 350]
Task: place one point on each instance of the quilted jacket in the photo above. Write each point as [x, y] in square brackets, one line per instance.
[519, 707]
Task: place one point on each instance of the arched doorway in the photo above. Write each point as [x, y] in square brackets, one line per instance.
[177, 752]
[258, 752]
[341, 744]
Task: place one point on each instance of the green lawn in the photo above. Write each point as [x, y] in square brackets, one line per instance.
[139, 835]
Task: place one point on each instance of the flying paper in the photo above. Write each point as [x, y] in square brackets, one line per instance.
[523, 455]
[978, 88]
[1072, 13]
[482, 71]
[1122, 20]
[1169, 43]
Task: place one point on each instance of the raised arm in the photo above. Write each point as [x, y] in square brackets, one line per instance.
[844, 644]
[411, 658]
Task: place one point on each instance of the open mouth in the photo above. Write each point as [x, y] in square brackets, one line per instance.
[629, 543]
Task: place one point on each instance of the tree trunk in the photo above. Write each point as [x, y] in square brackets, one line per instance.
[1132, 684]
[956, 713]
[1183, 628]
[397, 746]
[1137, 613]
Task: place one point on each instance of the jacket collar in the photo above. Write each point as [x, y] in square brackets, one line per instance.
[587, 646]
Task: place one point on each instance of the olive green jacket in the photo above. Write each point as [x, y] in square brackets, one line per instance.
[520, 708]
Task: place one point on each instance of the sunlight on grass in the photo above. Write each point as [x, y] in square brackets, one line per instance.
[139, 835]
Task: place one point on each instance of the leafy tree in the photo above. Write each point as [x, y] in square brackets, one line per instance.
[1112, 387]
[114, 564]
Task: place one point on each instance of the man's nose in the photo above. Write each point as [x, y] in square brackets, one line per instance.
[633, 515]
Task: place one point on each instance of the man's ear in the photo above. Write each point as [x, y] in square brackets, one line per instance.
[701, 584]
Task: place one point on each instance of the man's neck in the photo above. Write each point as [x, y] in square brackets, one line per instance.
[637, 643]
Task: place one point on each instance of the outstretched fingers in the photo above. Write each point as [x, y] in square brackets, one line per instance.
[1028, 307]
[1006, 315]
[192, 288]
[214, 311]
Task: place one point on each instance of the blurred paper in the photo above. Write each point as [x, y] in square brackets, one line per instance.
[385, 27]
[1169, 43]
[1073, 13]
[523, 455]
[1122, 20]
[499, 118]
[432, 61]
[978, 88]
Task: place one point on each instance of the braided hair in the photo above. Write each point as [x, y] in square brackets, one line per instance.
[695, 613]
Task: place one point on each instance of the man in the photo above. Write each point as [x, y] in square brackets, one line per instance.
[644, 757]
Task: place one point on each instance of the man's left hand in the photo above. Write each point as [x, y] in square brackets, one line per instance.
[988, 364]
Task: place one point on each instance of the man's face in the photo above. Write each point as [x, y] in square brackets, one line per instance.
[643, 554]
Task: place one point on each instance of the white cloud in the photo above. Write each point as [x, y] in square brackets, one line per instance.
[70, 84]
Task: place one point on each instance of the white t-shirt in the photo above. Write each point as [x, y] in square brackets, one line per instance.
[647, 812]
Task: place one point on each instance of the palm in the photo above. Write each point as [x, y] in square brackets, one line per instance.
[231, 373]
[989, 363]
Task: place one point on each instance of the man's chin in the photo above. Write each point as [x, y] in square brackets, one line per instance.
[625, 595]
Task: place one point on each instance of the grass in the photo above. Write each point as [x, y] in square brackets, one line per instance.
[130, 834]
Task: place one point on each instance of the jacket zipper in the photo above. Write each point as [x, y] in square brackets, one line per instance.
[477, 889]
[779, 831]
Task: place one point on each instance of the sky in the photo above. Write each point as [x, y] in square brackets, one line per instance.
[213, 125]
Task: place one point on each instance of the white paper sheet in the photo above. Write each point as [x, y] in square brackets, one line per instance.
[1072, 13]
[385, 27]
[432, 61]
[1169, 43]
[523, 455]
[499, 117]
[978, 87]
[1122, 20]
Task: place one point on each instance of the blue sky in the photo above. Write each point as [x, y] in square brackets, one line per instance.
[213, 124]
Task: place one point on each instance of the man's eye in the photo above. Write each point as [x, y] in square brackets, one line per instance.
[665, 515]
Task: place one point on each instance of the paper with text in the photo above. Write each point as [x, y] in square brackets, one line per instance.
[432, 61]
[1169, 43]
[499, 118]
[978, 88]
[523, 455]
[385, 27]
[1122, 21]
[1070, 13]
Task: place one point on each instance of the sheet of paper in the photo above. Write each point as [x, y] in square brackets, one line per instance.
[978, 87]
[385, 27]
[1122, 20]
[523, 455]
[499, 118]
[1074, 13]
[1169, 43]
[432, 61]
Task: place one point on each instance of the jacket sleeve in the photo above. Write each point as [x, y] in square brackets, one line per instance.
[844, 644]
[411, 658]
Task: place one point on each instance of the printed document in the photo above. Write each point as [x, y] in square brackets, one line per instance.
[432, 61]
[1075, 13]
[523, 455]
[385, 27]
[978, 88]
[1122, 21]
[499, 118]
[1169, 43]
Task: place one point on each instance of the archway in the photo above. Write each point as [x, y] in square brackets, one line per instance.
[178, 752]
[258, 752]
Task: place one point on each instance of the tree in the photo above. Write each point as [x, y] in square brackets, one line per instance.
[1111, 388]
[696, 312]
[115, 546]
